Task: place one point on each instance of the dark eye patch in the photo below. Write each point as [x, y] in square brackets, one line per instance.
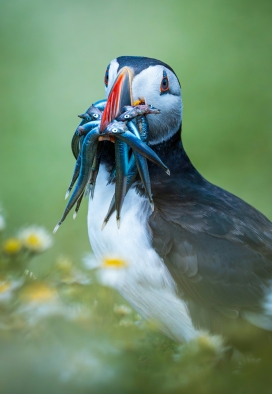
[164, 83]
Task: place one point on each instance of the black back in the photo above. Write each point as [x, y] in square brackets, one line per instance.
[217, 247]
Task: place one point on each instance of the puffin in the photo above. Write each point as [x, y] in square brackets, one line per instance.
[201, 261]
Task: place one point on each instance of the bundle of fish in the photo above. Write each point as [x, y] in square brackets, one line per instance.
[129, 133]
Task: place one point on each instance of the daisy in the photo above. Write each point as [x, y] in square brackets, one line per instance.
[111, 271]
[122, 310]
[7, 287]
[35, 239]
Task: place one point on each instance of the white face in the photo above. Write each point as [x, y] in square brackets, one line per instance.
[147, 84]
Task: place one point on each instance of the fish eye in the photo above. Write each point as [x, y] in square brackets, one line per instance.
[126, 116]
[95, 116]
[164, 83]
[106, 78]
[114, 130]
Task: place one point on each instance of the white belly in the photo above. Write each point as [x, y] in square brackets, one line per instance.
[145, 283]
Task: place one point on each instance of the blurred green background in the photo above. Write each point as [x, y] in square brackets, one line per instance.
[53, 55]
[53, 58]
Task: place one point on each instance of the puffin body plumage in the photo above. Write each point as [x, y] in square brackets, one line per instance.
[203, 258]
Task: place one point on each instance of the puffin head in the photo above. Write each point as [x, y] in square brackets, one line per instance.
[130, 80]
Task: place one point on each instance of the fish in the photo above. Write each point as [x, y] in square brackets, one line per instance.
[85, 128]
[120, 131]
[74, 177]
[121, 160]
[142, 167]
[93, 114]
[132, 172]
[78, 205]
[131, 176]
[112, 176]
[88, 152]
[94, 172]
[137, 162]
[129, 132]
[132, 127]
[142, 124]
[141, 163]
[76, 140]
[130, 112]
[81, 131]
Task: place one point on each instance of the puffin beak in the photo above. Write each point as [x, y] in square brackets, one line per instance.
[120, 95]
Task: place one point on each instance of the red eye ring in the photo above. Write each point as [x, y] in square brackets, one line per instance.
[164, 83]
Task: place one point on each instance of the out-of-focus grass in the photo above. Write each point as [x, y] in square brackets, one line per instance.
[64, 333]
[52, 63]
[53, 58]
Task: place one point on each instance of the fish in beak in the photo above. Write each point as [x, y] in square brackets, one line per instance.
[119, 97]
[119, 122]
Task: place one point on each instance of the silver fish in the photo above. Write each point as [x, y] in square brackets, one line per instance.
[88, 152]
[120, 131]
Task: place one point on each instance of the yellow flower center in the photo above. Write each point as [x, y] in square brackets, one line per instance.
[114, 263]
[12, 246]
[33, 241]
[38, 292]
[204, 341]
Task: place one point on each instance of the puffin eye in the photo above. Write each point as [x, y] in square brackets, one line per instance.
[106, 78]
[164, 83]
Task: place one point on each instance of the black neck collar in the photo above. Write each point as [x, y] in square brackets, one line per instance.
[172, 153]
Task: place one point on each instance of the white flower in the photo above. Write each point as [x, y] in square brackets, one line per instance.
[35, 238]
[7, 288]
[204, 342]
[122, 310]
[69, 274]
[109, 262]
[38, 300]
[2, 223]
[111, 271]
[91, 262]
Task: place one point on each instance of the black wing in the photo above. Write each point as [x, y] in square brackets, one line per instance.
[217, 248]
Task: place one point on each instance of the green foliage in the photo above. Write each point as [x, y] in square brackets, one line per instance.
[62, 331]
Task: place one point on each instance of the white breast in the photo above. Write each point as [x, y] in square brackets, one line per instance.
[145, 283]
